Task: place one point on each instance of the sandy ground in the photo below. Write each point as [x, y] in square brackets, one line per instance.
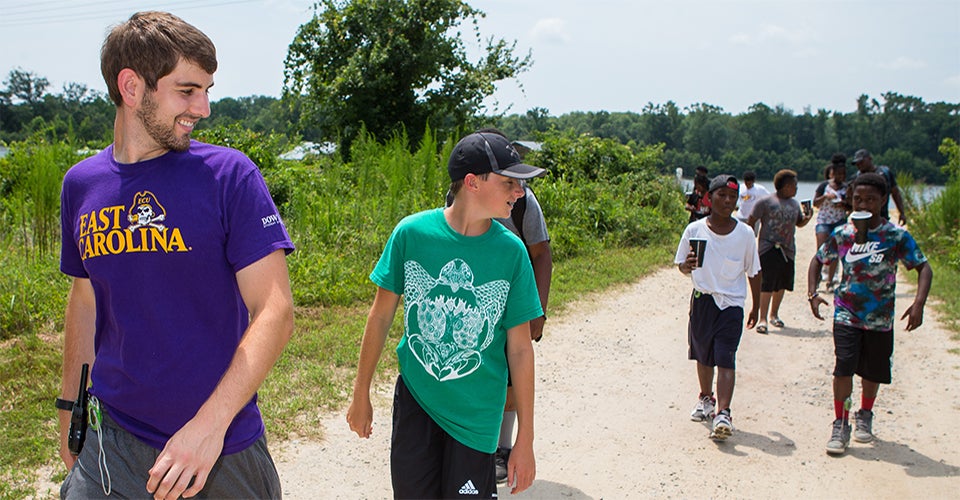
[615, 390]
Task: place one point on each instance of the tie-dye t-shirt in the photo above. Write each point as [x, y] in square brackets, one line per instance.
[865, 297]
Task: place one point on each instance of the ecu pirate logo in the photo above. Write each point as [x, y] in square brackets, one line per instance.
[146, 211]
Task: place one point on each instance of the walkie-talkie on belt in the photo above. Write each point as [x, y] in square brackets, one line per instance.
[78, 415]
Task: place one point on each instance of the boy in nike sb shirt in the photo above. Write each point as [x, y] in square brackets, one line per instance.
[864, 305]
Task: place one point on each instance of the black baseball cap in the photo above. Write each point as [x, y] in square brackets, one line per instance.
[860, 155]
[724, 180]
[481, 153]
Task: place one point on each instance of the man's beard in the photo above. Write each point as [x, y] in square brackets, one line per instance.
[161, 133]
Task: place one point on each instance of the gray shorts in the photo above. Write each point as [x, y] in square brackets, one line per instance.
[250, 473]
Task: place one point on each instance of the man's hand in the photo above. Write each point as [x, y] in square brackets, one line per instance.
[187, 459]
[687, 266]
[903, 222]
[914, 316]
[536, 328]
[752, 319]
[815, 306]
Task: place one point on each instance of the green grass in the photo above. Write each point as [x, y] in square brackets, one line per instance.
[29, 374]
[944, 296]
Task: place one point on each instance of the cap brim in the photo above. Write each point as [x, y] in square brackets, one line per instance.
[522, 171]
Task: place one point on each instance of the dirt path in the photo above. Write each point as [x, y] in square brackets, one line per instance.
[614, 393]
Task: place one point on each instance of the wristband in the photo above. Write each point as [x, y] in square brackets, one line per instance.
[64, 404]
[811, 296]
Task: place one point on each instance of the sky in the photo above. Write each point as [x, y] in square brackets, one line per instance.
[597, 55]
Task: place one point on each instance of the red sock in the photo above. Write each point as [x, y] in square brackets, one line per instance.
[838, 409]
[867, 403]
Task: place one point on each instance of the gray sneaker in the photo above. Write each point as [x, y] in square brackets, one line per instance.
[864, 429]
[500, 460]
[839, 438]
[704, 409]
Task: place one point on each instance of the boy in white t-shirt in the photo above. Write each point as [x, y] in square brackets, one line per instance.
[719, 296]
[750, 192]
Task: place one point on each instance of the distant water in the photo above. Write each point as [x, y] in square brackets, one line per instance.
[806, 189]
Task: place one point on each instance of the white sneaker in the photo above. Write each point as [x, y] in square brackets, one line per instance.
[722, 426]
[704, 409]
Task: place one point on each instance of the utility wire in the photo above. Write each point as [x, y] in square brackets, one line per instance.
[107, 10]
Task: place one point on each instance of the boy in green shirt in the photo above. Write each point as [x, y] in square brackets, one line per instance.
[469, 294]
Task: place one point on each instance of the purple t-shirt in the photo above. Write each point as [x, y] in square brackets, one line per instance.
[161, 242]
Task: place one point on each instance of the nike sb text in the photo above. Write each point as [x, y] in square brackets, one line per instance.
[860, 251]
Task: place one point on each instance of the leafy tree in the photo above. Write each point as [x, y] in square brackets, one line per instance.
[393, 65]
[706, 130]
[263, 149]
[25, 86]
[661, 124]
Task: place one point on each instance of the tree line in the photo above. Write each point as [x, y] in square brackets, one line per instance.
[901, 131]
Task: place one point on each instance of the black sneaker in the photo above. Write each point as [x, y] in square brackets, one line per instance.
[501, 457]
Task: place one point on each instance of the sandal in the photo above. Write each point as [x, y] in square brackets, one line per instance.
[762, 329]
[777, 322]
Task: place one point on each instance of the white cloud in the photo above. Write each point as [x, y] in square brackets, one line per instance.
[768, 33]
[552, 30]
[740, 39]
[953, 81]
[806, 53]
[903, 63]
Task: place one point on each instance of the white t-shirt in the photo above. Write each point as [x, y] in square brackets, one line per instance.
[748, 197]
[727, 262]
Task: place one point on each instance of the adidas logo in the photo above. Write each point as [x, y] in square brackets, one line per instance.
[468, 488]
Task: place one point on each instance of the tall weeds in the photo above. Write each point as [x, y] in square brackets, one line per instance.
[31, 289]
[341, 214]
[936, 224]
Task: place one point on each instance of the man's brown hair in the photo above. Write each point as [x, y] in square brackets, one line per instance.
[151, 44]
[781, 178]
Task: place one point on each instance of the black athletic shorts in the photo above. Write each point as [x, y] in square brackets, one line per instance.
[778, 271]
[426, 462]
[868, 353]
[713, 334]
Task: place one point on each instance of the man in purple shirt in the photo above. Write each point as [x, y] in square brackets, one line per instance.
[181, 300]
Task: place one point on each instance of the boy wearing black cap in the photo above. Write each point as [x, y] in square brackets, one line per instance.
[469, 294]
[863, 160]
[719, 296]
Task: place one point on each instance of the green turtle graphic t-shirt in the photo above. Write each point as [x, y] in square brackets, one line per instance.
[460, 296]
